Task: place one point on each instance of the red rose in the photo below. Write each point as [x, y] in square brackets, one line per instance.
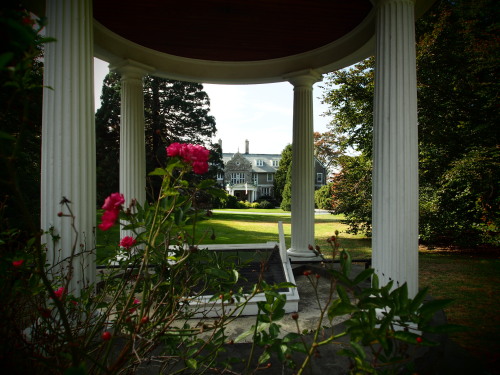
[18, 263]
[113, 202]
[59, 293]
[127, 242]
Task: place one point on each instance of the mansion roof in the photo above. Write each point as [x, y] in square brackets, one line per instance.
[261, 163]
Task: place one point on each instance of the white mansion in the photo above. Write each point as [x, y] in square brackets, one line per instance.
[251, 176]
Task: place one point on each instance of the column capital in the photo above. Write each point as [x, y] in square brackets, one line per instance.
[385, 2]
[131, 69]
[304, 78]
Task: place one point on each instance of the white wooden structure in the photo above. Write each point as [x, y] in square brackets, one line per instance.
[296, 41]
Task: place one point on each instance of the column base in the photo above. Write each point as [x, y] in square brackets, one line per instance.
[296, 256]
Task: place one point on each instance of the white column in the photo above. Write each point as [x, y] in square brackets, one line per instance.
[68, 139]
[132, 137]
[303, 165]
[395, 164]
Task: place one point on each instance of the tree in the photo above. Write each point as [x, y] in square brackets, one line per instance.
[21, 80]
[174, 111]
[280, 178]
[326, 148]
[457, 70]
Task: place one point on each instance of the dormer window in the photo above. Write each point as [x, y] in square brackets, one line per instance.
[259, 163]
[276, 163]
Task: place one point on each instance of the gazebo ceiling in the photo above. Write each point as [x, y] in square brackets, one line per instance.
[236, 41]
[232, 30]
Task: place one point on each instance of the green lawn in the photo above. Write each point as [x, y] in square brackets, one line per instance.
[472, 279]
[231, 228]
[235, 228]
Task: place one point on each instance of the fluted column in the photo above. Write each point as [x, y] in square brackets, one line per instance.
[132, 137]
[395, 167]
[68, 140]
[303, 165]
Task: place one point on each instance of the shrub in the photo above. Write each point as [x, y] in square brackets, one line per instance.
[323, 197]
[265, 205]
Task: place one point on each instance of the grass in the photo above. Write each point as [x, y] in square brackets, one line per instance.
[471, 278]
[233, 228]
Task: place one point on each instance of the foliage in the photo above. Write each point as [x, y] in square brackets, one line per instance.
[457, 66]
[326, 149]
[265, 205]
[286, 196]
[280, 177]
[384, 325]
[323, 197]
[351, 193]
[20, 113]
[225, 200]
[349, 93]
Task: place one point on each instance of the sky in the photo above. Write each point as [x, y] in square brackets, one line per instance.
[263, 114]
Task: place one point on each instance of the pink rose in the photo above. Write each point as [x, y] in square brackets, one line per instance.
[108, 219]
[59, 292]
[195, 155]
[18, 263]
[200, 167]
[127, 242]
[113, 202]
[174, 149]
[111, 206]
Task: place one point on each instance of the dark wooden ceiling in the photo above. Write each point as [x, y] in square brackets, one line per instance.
[231, 30]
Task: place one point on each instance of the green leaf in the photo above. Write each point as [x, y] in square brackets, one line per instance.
[363, 276]
[359, 350]
[264, 357]
[5, 58]
[192, 363]
[338, 308]
[289, 337]
[158, 172]
[340, 277]
[245, 334]
[297, 347]
[284, 285]
[343, 294]
[375, 281]
[346, 262]
[419, 298]
[205, 184]
[218, 273]
[274, 330]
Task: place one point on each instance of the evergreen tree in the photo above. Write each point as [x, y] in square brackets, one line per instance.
[280, 177]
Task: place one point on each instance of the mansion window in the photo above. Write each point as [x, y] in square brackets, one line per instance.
[254, 178]
[319, 178]
[259, 162]
[276, 163]
[266, 191]
[237, 178]
[220, 176]
[269, 177]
